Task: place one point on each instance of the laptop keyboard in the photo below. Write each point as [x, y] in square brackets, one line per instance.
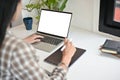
[51, 40]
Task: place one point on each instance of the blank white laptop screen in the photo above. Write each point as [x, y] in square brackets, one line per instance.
[55, 23]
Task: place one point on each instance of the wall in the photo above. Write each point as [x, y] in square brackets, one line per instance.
[82, 13]
[19, 21]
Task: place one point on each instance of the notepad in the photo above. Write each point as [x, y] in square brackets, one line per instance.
[56, 57]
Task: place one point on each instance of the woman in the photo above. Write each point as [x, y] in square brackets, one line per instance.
[17, 61]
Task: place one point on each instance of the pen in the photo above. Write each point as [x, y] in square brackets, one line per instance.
[65, 46]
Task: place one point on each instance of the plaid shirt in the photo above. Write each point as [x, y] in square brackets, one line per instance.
[18, 62]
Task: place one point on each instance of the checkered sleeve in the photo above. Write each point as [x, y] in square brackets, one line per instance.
[25, 67]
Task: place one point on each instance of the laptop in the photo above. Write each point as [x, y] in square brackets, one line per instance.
[54, 26]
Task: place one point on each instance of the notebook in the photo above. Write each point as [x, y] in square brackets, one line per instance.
[56, 57]
[54, 26]
[111, 46]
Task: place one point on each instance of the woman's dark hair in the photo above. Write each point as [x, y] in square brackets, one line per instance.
[7, 11]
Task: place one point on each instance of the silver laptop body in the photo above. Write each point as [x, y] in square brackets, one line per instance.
[53, 24]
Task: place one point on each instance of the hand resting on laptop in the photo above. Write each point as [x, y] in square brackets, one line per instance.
[33, 38]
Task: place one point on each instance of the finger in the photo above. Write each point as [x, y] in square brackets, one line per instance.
[65, 41]
[70, 44]
[38, 36]
[37, 40]
[67, 44]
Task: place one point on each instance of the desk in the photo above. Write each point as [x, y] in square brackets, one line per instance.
[92, 65]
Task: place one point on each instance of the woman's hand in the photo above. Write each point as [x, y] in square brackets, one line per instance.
[68, 52]
[69, 49]
[33, 38]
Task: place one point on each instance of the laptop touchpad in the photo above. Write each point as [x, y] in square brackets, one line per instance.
[44, 46]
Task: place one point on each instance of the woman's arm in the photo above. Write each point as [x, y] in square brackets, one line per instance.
[25, 67]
